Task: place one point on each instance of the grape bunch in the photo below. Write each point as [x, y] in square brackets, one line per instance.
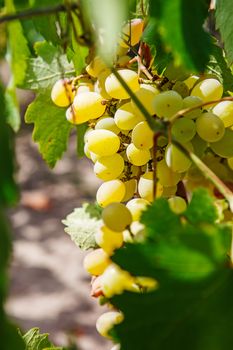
[134, 165]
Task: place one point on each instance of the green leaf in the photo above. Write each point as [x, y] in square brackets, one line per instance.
[82, 224]
[218, 66]
[81, 129]
[224, 22]
[51, 128]
[12, 107]
[180, 24]
[36, 341]
[44, 70]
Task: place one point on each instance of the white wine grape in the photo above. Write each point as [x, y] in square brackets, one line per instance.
[137, 156]
[142, 136]
[114, 88]
[116, 216]
[210, 127]
[110, 192]
[109, 167]
[103, 142]
[125, 117]
[167, 104]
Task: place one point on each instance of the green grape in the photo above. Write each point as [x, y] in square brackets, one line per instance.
[183, 129]
[107, 321]
[62, 94]
[216, 166]
[100, 84]
[167, 104]
[131, 33]
[137, 156]
[116, 217]
[181, 88]
[136, 207]
[109, 167]
[88, 105]
[224, 147]
[114, 88]
[177, 204]
[176, 159]
[190, 81]
[108, 240]
[146, 185]
[107, 123]
[199, 145]
[166, 176]
[115, 280]
[230, 163]
[125, 117]
[169, 191]
[142, 136]
[208, 90]
[96, 262]
[224, 110]
[146, 95]
[110, 192]
[95, 67]
[192, 101]
[210, 127]
[194, 174]
[103, 142]
[130, 189]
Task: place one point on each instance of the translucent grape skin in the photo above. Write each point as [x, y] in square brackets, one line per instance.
[125, 117]
[107, 123]
[208, 90]
[114, 88]
[103, 142]
[142, 136]
[224, 147]
[210, 127]
[183, 129]
[109, 167]
[177, 204]
[176, 159]
[116, 216]
[108, 240]
[107, 321]
[137, 156]
[224, 110]
[167, 103]
[145, 187]
[88, 105]
[62, 94]
[136, 207]
[96, 262]
[110, 192]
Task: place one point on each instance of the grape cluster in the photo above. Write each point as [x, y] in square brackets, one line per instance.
[121, 146]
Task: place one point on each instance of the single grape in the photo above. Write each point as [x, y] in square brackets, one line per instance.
[166, 176]
[96, 262]
[136, 206]
[109, 167]
[88, 105]
[176, 159]
[224, 110]
[115, 89]
[62, 94]
[183, 129]
[208, 90]
[84, 87]
[199, 145]
[130, 189]
[142, 136]
[177, 204]
[190, 81]
[190, 102]
[146, 185]
[100, 84]
[115, 280]
[108, 240]
[125, 117]
[224, 147]
[110, 192]
[107, 321]
[146, 95]
[210, 127]
[95, 67]
[103, 142]
[116, 217]
[131, 33]
[167, 104]
[137, 156]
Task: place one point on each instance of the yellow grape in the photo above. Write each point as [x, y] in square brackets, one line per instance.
[123, 61]
[130, 188]
[177, 204]
[137, 156]
[146, 95]
[176, 159]
[115, 89]
[103, 142]
[190, 81]
[190, 102]
[108, 240]
[208, 90]
[131, 33]
[125, 117]
[95, 67]
[110, 192]
[167, 103]
[210, 127]
[146, 185]
[109, 167]
[107, 123]
[166, 176]
[88, 105]
[100, 84]
[86, 151]
[96, 262]
[115, 280]
[147, 283]
[142, 136]
[94, 157]
[224, 110]
[62, 94]
[87, 132]
[84, 87]
[136, 206]
[116, 217]
[107, 321]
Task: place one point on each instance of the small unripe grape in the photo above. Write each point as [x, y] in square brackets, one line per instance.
[109, 167]
[137, 156]
[107, 321]
[95, 67]
[125, 117]
[224, 147]
[146, 185]
[177, 160]
[110, 192]
[166, 176]
[142, 136]
[62, 94]
[96, 262]
[167, 104]
[115, 280]
[116, 217]
[107, 123]
[115, 89]
[192, 101]
[210, 127]
[224, 110]
[136, 207]
[208, 90]
[88, 105]
[103, 142]
[131, 33]
[177, 204]
[183, 129]
[108, 240]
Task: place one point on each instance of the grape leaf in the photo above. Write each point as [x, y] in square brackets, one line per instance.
[36, 341]
[82, 224]
[224, 22]
[51, 128]
[44, 70]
